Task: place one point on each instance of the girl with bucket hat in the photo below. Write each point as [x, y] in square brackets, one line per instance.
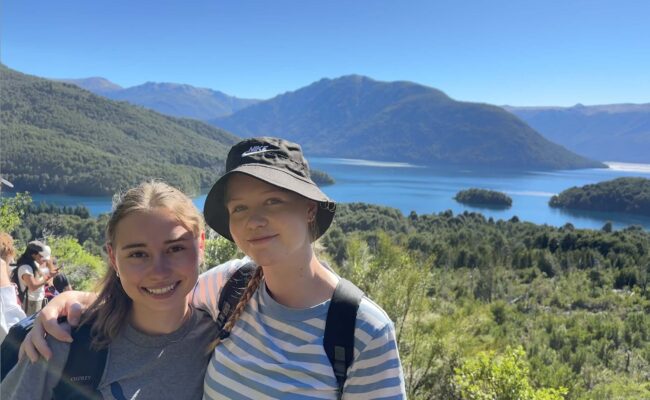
[272, 345]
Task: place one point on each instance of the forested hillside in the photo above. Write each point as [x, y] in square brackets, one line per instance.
[58, 138]
[465, 292]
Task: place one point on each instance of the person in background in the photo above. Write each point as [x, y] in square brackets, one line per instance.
[61, 283]
[58, 283]
[31, 278]
[10, 310]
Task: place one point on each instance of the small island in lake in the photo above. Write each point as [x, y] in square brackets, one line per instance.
[321, 178]
[483, 197]
[628, 195]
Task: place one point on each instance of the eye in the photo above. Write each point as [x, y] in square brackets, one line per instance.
[237, 208]
[273, 200]
[176, 248]
[137, 254]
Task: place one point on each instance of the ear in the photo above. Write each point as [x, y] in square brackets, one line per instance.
[201, 247]
[312, 209]
[111, 257]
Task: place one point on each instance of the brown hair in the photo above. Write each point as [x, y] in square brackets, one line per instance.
[7, 249]
[109, 311]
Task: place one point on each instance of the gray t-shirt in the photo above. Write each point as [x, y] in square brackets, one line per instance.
[139, 366]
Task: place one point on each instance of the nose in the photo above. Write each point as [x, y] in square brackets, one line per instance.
[256, 220]
[161, 265]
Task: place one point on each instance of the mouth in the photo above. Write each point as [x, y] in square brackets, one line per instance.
[161, 291]
[262, 239]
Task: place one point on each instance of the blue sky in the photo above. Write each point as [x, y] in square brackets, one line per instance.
[500, 52]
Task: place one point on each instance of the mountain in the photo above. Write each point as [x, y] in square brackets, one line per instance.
[173, 99]
[615, 132]
[96, 85]
[357, 117]
[58, 138]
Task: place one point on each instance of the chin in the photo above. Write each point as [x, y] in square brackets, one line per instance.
[265, 259]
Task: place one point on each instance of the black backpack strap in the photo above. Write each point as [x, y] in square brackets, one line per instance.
[339, 329]
[232, 293]
[22, 294]
[83, 370]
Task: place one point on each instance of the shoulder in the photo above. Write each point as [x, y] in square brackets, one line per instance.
[28, 380]
[25, 269]
[372, 320]
[208, 288]
[60, 350]
[223, 271]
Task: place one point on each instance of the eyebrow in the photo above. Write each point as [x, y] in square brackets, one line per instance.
[274, 190]
[138, 245]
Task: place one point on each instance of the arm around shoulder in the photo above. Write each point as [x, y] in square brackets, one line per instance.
[208, 288]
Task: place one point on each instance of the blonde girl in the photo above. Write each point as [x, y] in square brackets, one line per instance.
[155, 242]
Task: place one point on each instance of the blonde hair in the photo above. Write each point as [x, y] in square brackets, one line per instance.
[256, 279]
[252, 286]
[7, 249]
[109, 311]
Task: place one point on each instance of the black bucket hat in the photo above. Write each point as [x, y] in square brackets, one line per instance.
[272, 160]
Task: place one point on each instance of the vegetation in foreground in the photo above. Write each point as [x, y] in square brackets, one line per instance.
[484, 309]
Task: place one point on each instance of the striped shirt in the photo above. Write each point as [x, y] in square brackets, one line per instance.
[277, 352]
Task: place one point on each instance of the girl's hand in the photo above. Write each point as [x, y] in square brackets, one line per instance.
[70, 305]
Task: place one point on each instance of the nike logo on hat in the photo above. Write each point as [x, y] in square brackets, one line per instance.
[256, 150]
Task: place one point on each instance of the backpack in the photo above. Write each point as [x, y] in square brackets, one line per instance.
[338, 339]
[15, 279]
[85, 366]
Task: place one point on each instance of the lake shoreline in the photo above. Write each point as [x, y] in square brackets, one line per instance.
[430, 190]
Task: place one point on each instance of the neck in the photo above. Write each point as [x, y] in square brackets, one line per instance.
[302, 283]
[154, 322]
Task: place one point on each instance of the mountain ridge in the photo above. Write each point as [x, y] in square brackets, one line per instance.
[355, 116]
[609, 132]
[175, 99]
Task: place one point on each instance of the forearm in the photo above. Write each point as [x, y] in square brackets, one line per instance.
[34, 283]
[4, 274]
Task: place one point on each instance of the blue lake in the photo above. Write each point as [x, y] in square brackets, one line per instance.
[426, 189]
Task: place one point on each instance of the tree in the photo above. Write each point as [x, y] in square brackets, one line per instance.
[505, 377]
[82, 268]
[218, 250]
[12, 209]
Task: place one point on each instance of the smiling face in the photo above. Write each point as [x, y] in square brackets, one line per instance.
[157, 259]
[269, 224]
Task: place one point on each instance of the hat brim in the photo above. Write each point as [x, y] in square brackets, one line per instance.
[216, 214]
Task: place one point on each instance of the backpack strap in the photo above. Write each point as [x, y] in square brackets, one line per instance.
[22, 294]
[339, 329]
[232, 293]
[83, 370]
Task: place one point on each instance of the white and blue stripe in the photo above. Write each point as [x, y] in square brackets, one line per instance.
[277, 352]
